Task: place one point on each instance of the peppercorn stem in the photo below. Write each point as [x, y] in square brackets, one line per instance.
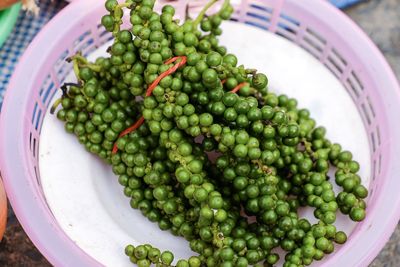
[122, 5]
[55, 105]
[93, 67]
[80, 58]
[203, 12]
[187, 15]
[76, 68]
[85, 63]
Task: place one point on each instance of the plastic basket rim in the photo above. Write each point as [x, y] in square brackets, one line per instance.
[17, 200]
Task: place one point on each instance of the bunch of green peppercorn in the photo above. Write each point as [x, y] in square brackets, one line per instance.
[214, 156]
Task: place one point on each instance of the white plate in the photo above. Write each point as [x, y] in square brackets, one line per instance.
[84, 194]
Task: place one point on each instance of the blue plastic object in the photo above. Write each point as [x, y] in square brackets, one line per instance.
[344, 3]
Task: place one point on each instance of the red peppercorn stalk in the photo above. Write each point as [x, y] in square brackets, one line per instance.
[238, 87]
[167, 72]
[154, 84]
[149, 91]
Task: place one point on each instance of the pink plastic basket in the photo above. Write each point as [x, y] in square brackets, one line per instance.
[314, 25]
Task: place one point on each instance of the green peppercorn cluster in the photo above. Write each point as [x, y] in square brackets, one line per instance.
[226, 169]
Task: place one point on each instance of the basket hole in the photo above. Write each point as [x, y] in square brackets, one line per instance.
[34, 148]
[353, 88]
[259, 16]
[38, 119]
[84, 47]
[62, 72]
[37, 177]
[316, 35]
[339, 56]
[105, 38]
[82, 37]
[257, 21]
[312, 44]
[258, 25]
[378, 133]
[311, 47]
[30, 141]
[285, 31]
[90, 49]
[332, 65]
[52, 95]
[365, 112]
[60, 68]
[47, 82]
[287, 23]
[34, 112]
[374, 169]
[371, 108]
[379, 163]
[335, 64]
[315, 53]
[260, 6]
[287, 35]
[102, 33]
[48, 91]
[286, 27]
[358, 81]
[61, 59]
[289, 20]
[373, 142]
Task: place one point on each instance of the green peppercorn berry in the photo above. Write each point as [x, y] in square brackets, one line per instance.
[360, 191]
[182, 263]
[140, 252]
[110, 5]
[190, 39]
[214, 59]
[215, 202]
[209, 76]
[340, 237]
[168, 9]
[230, 114]
[357, 214]
[145, 12]
[254, 114]
[108, 22]
[252, 256]
[259, 81]
[167, 257]
[200, 195]
[322, 243]
[182, 175]
[230, 59]
[240, 151]
[272, 258]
